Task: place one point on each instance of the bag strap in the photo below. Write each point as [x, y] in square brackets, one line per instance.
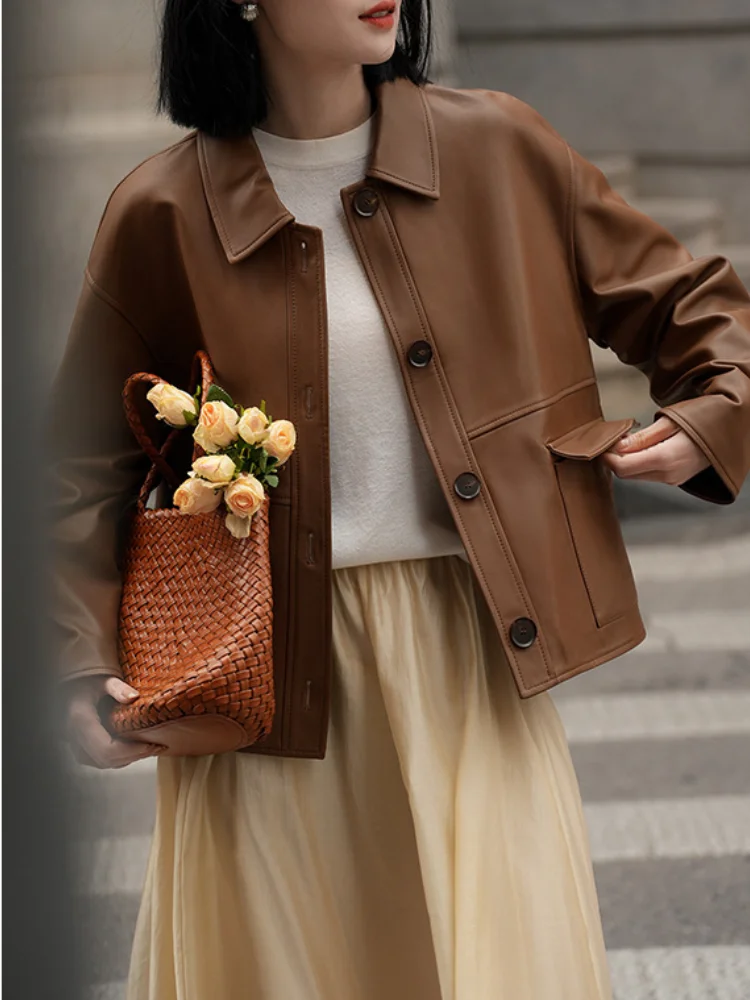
[201, 373]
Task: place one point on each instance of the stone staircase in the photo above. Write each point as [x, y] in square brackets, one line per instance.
[696, 222]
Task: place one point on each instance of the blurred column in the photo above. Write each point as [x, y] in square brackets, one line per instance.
[88, 96]
[443, 63]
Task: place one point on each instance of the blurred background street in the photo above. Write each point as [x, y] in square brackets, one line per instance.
[659, 95]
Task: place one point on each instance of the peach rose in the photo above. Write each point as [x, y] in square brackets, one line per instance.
[196, 496]
[217, 426]
[245, 495]
[282, 437]
[253, 425]
[217, 469]
[171, 404]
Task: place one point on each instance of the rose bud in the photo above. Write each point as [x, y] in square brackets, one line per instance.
[253, 426]
[196, 496]
[217, 426]
[171, 404]
[282, 437]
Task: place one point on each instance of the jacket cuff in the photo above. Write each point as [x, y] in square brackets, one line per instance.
[702, 420]
[73, 675]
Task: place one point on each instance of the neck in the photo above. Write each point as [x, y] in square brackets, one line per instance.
[307, 102]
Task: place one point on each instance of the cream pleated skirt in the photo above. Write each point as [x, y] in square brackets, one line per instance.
[438, 852]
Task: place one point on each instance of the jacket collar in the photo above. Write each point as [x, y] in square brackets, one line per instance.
[242, 199]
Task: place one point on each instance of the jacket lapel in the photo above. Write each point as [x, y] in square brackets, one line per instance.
[243, 202]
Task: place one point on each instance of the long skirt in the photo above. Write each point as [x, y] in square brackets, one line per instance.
[438, 852]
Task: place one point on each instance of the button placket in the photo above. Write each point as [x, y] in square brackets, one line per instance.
[419, 354]
[523, 632]
[366, 202]
[467, 485]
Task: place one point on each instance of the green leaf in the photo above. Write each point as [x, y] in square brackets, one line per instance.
[263, 406]
[190, 418]
[270, 460]
[272, 480]
[218, 395]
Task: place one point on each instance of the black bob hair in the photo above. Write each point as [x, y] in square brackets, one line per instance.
[210, 74]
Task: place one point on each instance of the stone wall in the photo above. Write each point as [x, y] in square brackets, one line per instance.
[665, 81]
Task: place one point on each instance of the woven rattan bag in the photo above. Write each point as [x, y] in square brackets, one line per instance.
[196, 614]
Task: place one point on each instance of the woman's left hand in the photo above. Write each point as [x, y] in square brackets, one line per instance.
[661, 452]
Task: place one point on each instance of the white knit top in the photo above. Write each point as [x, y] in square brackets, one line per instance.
[386, 502]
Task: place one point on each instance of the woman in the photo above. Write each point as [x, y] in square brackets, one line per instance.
[439, 257]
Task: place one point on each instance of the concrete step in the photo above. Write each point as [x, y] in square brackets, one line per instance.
[696, 222]
[739, 256]
[620, 171]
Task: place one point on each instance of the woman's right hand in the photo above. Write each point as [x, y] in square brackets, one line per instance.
[92, 745]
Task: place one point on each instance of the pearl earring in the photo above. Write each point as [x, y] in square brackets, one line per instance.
[249, 11]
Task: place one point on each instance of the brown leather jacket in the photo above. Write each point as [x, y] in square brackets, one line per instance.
[494, 251]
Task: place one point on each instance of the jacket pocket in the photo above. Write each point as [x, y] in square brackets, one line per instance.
[585, 487]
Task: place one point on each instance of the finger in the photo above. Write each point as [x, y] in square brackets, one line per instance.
[646, 437]
[117, 688]
[100, 746]
[118, 756]
[658, 458]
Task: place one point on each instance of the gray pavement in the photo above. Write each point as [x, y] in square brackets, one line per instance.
[661, 742]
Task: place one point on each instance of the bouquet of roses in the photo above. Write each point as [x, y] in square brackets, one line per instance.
[244, 450]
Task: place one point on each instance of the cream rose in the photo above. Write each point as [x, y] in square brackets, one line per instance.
[253, 425]
[196, 496]
[217, 426]
[171, 404]
[217, 469]
[282, 437]
[245, 495]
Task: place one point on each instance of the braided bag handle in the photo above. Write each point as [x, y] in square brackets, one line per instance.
[202, 373]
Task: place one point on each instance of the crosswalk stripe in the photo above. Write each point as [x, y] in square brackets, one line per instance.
[716, 973]
[685, 631]
[662, 715]
[672, 828]
[113, 865]
[715, 826]
[107, 991]
[670, 563]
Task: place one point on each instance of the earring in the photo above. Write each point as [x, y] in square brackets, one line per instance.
[249, 11]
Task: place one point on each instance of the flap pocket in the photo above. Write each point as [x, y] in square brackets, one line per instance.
[590, 439]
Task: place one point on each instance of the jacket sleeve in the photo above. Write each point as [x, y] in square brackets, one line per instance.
[683, 321]
[96, 470]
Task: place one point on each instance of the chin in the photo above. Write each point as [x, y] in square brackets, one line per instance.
[374, 54]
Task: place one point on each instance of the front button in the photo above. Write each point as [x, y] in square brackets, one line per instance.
[366, 202]
[523, 632]
[419, 354]
[467, 486]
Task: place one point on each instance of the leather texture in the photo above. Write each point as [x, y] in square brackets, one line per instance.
[193, 737]
[487, 237]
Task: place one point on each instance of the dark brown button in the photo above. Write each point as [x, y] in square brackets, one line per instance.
[419, 354]
[366, 202]
[467, 486]
[523, 632]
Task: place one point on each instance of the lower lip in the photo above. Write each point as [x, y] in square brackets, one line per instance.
[380, 22]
